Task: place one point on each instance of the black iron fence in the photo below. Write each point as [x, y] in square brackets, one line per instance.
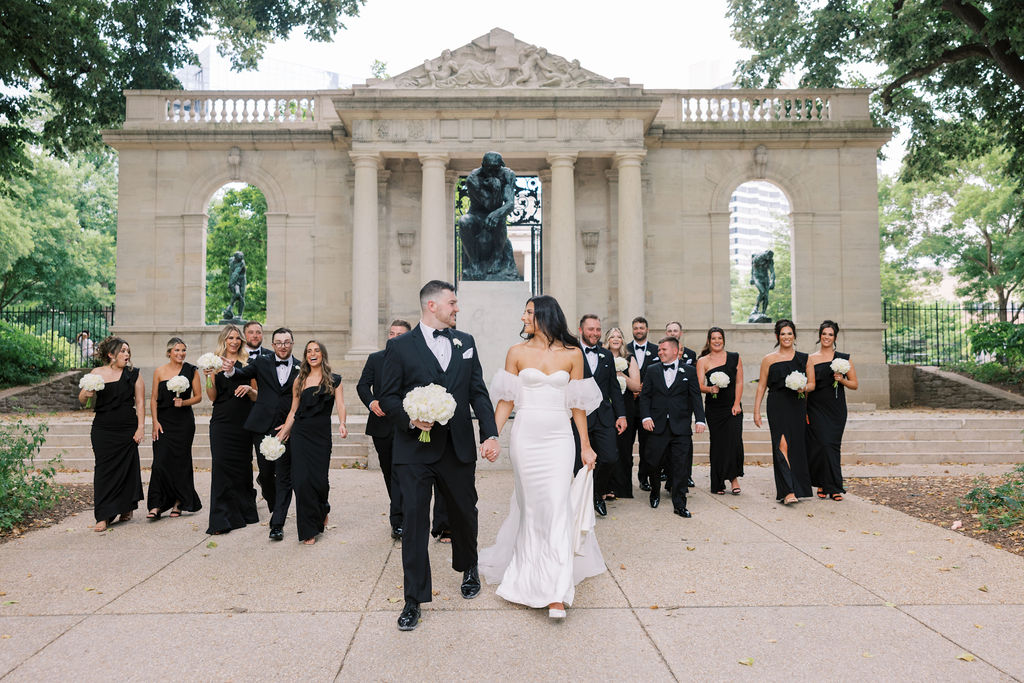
[937, 333]
[62, 330]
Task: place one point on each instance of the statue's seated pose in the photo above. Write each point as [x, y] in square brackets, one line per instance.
[486, 250]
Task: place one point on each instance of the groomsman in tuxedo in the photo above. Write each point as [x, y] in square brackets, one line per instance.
[669, 398]
[606, 421]
[434, 353]
[253, 332]
[274, 374]
[645, 354]
[687, 356]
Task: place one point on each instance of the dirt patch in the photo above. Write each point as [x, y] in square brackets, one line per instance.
[936, 500]
[75, 498]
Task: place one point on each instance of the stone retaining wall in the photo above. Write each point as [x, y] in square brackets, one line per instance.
[57, 394]
[930, 387]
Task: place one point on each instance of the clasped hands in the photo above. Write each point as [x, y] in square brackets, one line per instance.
[648, 424]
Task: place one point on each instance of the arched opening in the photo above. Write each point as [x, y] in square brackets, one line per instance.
[236, 287]
[760, 245]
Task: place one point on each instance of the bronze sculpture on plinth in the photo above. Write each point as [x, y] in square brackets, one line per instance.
[486, 249]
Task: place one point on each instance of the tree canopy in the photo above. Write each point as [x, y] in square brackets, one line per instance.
[948, 69]
[68, 61]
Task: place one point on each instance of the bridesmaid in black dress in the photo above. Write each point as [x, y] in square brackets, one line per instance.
[787, 413]
[117, 429]
[171, 483]
[826, 414]
[317, 391]
[723, 411]
[232, 496]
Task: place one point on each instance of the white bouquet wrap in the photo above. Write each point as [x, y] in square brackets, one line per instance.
[840, 365]
[720, 380]
[431, 403]
[621, 364]
[271, 448]
[91, 382]
[209, 361]
[177, 384]
[796, 381]
[622, 383]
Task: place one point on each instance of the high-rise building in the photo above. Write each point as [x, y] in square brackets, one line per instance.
[756, 208]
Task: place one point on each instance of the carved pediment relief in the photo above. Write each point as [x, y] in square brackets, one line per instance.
[498, 60]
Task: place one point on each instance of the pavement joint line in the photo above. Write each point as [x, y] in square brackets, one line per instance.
[366, 608]
[897, 607]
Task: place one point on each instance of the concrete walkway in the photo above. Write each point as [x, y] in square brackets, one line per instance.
[747, 589]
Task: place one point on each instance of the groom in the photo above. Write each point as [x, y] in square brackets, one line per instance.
[434, 353]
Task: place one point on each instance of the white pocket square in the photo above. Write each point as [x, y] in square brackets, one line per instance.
[467, 354]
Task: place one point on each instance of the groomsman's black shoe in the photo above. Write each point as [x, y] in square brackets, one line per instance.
[276, 533]
[683, 512]
[644, 486]
[471, 583]
[689, 482]
[664, 476]
[396, 532]
[601, 508]
[410, 616]
[655, 498]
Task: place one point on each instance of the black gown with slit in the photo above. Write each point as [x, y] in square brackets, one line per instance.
[172, 478]
[232, 495]
[826, 416]
[787, 417]
[117, 477]
[311, 459]
[725, 430]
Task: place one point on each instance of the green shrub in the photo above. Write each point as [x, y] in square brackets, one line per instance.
[24, 489]
[1005, 340]
[990, 373]
[998, 507]
[24, 358]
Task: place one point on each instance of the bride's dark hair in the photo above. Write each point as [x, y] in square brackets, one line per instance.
[549, 319]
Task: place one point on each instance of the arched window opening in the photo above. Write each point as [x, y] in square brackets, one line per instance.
[760, 244]
[236, 255]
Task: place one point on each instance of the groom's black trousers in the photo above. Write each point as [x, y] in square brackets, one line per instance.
[455, 482]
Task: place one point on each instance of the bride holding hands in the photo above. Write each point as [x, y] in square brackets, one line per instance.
[546, 545]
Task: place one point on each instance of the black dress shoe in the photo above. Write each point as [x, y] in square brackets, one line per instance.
[655, 499]
[396, 532]
[683, 512]
[664, 476]
[276, 533]
[471, 583]
[689, 482]
[644, 486]
[601, 508]
[410, 616]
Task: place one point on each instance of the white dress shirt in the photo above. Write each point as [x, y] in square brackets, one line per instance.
[592, 358]
[441, 347]
[670, 374]
[283, 370]
[640, 352]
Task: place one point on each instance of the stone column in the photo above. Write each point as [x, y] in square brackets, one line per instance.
[433, 219]
[365, 285]
[632, 283]
[561, 260]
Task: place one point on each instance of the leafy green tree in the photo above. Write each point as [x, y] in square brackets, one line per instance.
[71, 59]
[902, 272]
[238, 222]
[57, 232]
[946, 68]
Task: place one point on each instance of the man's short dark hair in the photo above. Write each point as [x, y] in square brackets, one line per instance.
[430, 291]
[673, 340]
[283, 330]
[639, 319]
[588, 316]
[398, 322]
[251, 323]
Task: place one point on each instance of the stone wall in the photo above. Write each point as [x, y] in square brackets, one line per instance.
[935, 388]
[59, 393]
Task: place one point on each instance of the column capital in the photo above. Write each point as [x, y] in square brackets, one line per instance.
[433, 159]
[365, 159]
[562, 159]
[633, 158]
[545, 175]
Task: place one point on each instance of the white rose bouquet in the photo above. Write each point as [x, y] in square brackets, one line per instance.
[840, 365]
[720, 380]
[621, 364]
[429, 404]
[622, 383]
[176, 385]
[271, 448]
[209, 361]
[91, 382]
[796, 381]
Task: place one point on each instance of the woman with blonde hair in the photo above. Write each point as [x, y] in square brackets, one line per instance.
[232, 495]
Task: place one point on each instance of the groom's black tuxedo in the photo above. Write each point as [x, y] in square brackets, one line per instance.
[601, 420]
[448, 460]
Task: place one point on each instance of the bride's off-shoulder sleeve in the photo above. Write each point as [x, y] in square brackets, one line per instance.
[504, 386]
[583, 394]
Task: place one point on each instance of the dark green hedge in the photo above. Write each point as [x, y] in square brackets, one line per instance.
[24, 358]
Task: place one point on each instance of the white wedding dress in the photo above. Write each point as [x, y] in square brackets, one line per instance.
[547, 544]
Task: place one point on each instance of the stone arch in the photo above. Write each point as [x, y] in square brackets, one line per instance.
[217, 176]
[779, 174]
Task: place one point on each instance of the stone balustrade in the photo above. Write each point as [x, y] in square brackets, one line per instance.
[812, 106]
[287, 109]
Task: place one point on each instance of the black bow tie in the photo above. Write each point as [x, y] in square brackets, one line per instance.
[670, 366]
[591, 349]
[641, 347]
[281, 362]
[443, 333]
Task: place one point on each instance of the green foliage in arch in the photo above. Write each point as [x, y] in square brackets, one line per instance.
[238, 222]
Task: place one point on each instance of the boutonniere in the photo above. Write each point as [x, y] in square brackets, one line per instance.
[456, 341]
[648, 352]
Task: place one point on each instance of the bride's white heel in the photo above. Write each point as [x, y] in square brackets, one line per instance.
[556, 613]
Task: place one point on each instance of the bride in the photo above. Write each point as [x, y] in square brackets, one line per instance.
[546, 545]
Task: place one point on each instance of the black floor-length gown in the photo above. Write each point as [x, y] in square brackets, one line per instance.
[725, 430]
[117, 477]
[787, 417]
[826, 415]
[172, 478]
[311, 459]
[232, 495]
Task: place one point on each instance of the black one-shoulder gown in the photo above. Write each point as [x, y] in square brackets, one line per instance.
[172, 479]
[725, 430]
[232, 495]
[311, 459]
[787, 417]
[826, 417]
[117, 477]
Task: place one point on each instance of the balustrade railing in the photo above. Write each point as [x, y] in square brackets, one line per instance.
[239, 107]
[762, 106]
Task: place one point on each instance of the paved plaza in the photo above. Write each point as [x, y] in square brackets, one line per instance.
[747, 589]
